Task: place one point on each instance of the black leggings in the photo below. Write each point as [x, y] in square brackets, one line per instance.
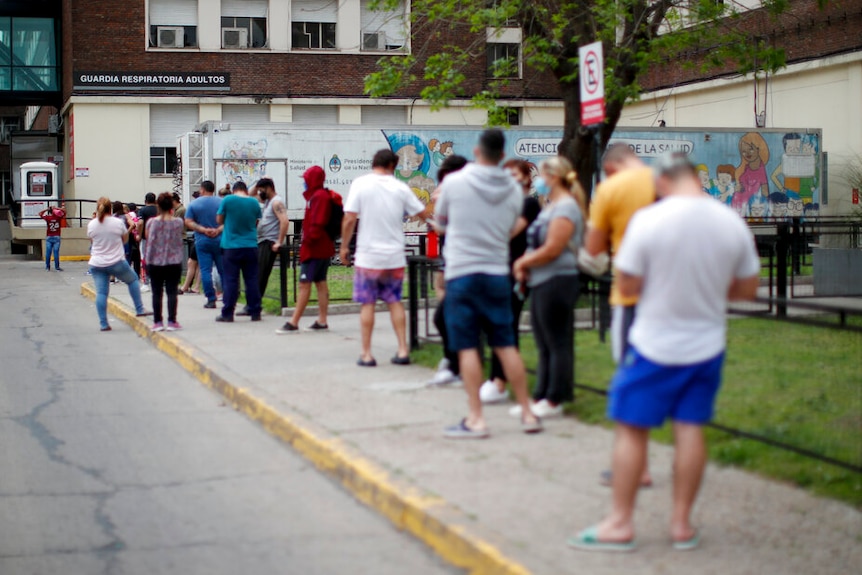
[517, 307]
[552, 313]
[440, 324]
[167, 279]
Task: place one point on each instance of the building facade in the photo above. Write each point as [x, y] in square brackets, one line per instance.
[137, 74]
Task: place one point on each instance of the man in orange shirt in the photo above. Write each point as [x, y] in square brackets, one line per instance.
[629, 187]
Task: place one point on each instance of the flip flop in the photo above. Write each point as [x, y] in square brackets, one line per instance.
[588, 540]
[461, 431]
[688, 544]
[370, 363]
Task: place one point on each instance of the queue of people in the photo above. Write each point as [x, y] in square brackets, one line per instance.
[677, 263]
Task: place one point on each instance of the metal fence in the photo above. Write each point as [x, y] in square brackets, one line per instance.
[805, 339]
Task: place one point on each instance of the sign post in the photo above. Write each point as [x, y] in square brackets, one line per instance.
[592, 80]
[592, 83]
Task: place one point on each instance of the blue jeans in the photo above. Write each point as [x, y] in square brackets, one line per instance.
[101, 278]
[52, 246]
[209, 253]
[235, 261]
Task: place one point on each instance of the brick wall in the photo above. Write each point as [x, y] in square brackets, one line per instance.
[803, 31]
[106, 35]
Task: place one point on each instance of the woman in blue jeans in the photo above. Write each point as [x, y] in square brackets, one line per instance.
[108, 258]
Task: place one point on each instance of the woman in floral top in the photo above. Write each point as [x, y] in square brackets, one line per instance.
[164, 259]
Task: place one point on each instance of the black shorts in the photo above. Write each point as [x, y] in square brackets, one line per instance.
[313, 270]
[193, 253]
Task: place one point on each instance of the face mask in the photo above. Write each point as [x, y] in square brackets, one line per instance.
[541, 186]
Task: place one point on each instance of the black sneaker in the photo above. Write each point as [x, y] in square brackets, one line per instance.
[210, 304]
[59, 269]
[225, 319]
[287, 328]
[255, 318]
[317, 326]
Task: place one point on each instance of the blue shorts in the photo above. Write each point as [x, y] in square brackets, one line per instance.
[644, 394]
[313, 270]
[477, 303]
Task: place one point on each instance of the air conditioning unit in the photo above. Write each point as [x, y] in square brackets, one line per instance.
[170, 36]
[374, 41]
[234, 37]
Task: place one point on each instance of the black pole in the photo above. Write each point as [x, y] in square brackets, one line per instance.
[781, 247]
[413, 278]
[282, 273]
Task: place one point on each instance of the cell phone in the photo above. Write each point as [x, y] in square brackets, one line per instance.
[519, 290]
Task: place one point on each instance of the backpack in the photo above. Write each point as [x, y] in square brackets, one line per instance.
[336, 215]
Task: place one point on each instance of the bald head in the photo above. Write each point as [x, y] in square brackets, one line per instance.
[619, 157]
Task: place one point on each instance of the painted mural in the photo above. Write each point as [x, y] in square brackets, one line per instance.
[767, 174]
[760, 174]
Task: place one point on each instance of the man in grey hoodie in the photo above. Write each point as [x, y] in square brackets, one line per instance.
[477, 210]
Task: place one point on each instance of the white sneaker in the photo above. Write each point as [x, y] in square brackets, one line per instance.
[145, 288]
[443, 377]
[515, 411]
[443, 365]
[489, 393]
[544, 410]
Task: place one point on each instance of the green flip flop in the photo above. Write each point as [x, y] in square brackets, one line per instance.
[688, 544]
[588, 540]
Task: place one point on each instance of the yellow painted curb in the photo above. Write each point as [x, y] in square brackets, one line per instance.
[411, 511]
[75, 258]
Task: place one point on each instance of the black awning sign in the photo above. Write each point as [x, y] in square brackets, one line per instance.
[152, 80]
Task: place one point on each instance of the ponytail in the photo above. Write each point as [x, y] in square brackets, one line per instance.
[577, 191]
[103, 208]
[562, 168]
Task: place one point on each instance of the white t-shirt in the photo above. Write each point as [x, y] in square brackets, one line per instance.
[107, 237]
[381, 201]
[688, 251]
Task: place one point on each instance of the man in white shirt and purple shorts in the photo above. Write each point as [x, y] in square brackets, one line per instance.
[685, 257]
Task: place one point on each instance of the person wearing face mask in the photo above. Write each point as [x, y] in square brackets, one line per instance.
[494, 390]
[550, 269]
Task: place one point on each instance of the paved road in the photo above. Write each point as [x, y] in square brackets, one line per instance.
[114, 460]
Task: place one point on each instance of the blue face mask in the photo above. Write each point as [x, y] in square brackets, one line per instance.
[541, 186]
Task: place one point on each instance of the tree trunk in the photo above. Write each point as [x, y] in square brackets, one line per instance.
[579, 143]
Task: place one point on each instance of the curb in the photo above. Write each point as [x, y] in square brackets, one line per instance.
[430, 519]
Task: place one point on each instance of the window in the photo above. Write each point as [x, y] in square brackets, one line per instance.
[382, 30]
[384, 115]
[28, 55]
[312, 24]
[167, 123]
[243, 23]
[173, 23]
[320, 35]
[163, 160]
[310, 114]
[504, 60]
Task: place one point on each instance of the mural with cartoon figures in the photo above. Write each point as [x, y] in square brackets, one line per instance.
[763, 175]
[244, 161]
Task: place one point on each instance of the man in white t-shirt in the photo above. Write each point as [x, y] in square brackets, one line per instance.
[685, 257]
[380, 201]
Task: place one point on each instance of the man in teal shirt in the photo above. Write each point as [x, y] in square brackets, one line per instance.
[239, 213]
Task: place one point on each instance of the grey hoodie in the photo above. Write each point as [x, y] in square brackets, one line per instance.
[478, 208]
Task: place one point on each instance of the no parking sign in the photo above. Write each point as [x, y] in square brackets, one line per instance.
[592, 80]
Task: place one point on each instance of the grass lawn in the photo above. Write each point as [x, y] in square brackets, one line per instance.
[792, 383]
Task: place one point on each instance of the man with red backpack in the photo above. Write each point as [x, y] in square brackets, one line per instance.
[315, 251]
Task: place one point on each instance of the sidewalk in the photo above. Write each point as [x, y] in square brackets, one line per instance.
[521, 495]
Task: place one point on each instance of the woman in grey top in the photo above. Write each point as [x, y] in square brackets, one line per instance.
[550, 269]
